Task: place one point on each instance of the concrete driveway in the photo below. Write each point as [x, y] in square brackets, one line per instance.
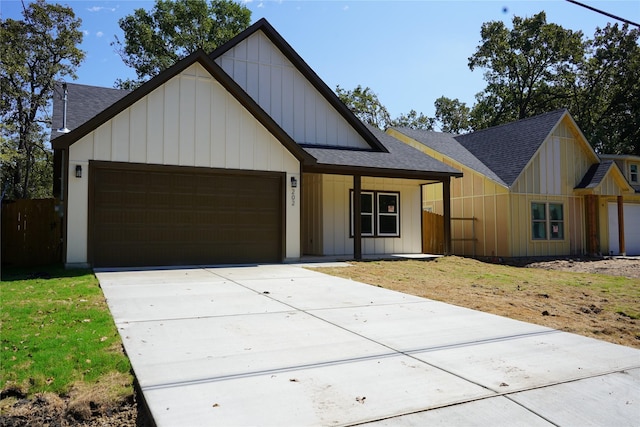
[281, 345]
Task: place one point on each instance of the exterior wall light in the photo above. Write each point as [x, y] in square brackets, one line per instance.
[78, 171]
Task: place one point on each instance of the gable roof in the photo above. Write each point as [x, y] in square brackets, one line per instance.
[508, 148]
[500, 153]
[65, 140]
[398, 161]
[446, 143]
[597, 173]
[87, 102]
[297, 61]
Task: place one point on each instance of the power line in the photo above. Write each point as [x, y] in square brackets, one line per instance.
[610, 15]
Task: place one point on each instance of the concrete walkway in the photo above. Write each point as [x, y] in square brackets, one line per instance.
[283, 346]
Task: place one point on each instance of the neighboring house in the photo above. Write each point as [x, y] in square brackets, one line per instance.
[240, 156]
[630, 167]
[534, 187]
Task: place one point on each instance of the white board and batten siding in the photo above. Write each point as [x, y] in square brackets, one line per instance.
[190, 121]
[335, 216]
[262, 70]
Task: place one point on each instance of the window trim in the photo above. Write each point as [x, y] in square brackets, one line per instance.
[376, 214]
[548, 222]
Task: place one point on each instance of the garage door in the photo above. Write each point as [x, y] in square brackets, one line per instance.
[631, 229]
[150, 216]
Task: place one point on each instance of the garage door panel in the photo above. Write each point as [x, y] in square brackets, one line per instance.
[160, 216]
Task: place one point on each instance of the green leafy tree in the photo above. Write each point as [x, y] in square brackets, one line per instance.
[364, 103]
[527, 69]
[607, 91]
[452, 115]
[155, 40]
[35, 52]
[414, 120]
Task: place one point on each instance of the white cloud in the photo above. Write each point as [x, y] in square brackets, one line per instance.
[85, 32]
[101, 8]
[261, 5]
[345, 8]
[99, 34]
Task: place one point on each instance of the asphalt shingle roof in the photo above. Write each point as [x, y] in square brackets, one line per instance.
[447, 144]
[595, 174]
[84, 102]
[506, 149]
[500, 152]
[401, 157]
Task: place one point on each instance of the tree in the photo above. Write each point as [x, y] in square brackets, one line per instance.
[155, 40]
[607, 91]
[414, 120]
[364, 103]
[528, 69]
[452, 115]
[36, 51]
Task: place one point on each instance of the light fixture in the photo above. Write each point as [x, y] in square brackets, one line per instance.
[78, 171]
[294, 182]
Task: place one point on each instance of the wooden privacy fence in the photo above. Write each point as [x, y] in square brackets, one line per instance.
[432, 233]
[31, 232]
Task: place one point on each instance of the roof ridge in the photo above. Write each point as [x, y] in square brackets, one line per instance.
[520, 121]
[95, 86]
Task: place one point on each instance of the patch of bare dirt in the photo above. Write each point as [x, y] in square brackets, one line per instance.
[95, 405]
[625, 267]
[51, 410]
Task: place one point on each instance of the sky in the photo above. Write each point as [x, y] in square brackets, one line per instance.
[408, 52]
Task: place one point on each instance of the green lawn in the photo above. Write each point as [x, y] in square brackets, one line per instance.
[57, 332]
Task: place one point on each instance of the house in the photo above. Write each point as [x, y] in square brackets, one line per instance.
[534, 187]
[240, 156]
[630, 167]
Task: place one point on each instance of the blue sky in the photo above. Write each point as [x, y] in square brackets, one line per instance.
[408, 52]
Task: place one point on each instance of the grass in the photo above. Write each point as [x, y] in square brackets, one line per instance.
[58, 335]
[595, 305]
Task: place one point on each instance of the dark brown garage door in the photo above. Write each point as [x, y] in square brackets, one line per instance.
[150, 216]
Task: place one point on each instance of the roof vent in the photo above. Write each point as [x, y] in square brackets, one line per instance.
[64, 128]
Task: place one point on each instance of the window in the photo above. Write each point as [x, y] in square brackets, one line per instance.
[547, 219]
[388, 224]
[366, 207]
[633, 173]
[380, 214]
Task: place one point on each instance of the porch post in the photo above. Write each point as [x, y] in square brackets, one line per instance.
[623, 250]
[591, 214]
[357, 217]
[446, 202]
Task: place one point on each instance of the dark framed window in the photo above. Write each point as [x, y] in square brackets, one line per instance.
[388, 221]
[547, 221]
[633, 173]
[379, 213]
